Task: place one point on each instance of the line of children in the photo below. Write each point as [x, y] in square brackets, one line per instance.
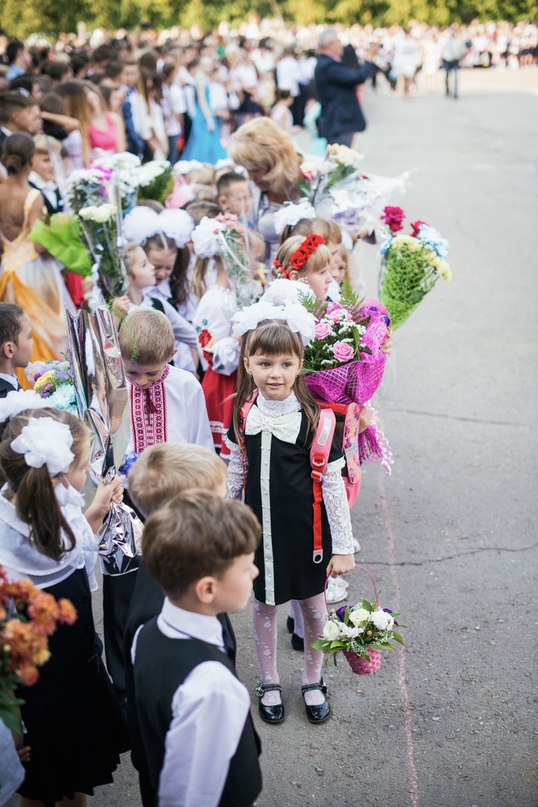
[72, 721]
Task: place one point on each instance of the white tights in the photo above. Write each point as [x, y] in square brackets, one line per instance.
[314, 614]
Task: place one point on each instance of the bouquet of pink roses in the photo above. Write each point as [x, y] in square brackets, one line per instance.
[343, 363]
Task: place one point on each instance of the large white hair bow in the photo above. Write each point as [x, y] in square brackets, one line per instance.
[18, 401]
[45, 441]
[143, 223]
[291, 213]
[205, 238]
[283, 291]
[295, 315]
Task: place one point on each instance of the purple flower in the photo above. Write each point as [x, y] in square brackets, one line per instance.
[341, 612]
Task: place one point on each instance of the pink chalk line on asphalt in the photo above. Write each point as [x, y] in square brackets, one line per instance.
[402, 656]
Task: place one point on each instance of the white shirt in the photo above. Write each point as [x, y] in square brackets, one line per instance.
[209, 710]
[186, 413]
[214, 314]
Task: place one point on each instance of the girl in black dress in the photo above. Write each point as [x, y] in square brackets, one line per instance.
[270, 451]
[73, 723]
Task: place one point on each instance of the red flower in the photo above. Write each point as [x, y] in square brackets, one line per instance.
[204, 337]
[393, 218]
[208, 357]
[416, 227]
[307, 248]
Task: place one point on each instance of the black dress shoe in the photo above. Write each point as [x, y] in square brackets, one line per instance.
[320, 713]
[271, 714]
[297, 642]
[290, 624]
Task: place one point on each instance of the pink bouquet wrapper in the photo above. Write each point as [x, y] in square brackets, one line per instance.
[355, 381]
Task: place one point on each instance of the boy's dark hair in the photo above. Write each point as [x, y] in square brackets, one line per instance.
[14, 101]
[12, 49]
[226, 181]
[197, 534]
[56, 70]
[10, 323]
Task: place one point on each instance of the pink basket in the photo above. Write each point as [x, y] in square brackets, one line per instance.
[360, 666]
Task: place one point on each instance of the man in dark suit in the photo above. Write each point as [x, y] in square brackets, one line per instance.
[341, 114]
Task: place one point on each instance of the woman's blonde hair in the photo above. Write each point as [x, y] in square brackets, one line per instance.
[261, 146]
[315, 263]
[271, 338]
[35, 499]
[77, 105]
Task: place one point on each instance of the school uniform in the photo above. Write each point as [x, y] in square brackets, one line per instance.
[171, 410]
[194, 714]
[8, 383]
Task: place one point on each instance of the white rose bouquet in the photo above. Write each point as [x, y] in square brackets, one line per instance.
[360, 632]
[100, 229]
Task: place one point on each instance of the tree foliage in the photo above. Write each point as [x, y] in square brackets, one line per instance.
[23, 17]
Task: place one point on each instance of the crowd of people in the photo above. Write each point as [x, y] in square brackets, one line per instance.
[217, 404]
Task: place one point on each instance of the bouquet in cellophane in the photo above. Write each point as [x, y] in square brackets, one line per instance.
[411, 265]
[339, 190]
[53, 381]
[101, 393]
[28, 617]
[101, 226]
[344, 365]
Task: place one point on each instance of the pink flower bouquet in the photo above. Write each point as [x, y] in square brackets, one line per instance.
[343, 363]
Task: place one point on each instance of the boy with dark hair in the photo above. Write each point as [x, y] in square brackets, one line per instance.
[233, 195]
[194, 714]
[16, 344]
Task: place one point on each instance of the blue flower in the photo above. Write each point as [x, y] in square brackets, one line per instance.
[432, 238]
[385, 246]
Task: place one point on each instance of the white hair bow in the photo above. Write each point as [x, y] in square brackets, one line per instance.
[45, 441]
[298, 319]
[18, 401]
[142, 223]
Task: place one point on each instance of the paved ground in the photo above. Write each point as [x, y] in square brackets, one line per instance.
[451, 536]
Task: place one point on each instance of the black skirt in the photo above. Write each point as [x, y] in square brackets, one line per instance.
[285, 554]
[72, 717]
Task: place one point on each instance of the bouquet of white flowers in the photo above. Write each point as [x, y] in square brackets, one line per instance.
[100, 229]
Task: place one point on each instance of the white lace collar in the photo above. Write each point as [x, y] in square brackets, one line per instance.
[276, 409]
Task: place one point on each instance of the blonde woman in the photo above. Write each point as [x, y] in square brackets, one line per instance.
[273, 165]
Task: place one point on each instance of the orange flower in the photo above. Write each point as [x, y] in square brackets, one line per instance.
[43, 611]
[28, 674]
[66, 612]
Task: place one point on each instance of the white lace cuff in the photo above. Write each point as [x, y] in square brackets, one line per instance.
[337, 507]
[237, 469]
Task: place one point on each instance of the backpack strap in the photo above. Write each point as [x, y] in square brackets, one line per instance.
[245, 409]
[319, 459]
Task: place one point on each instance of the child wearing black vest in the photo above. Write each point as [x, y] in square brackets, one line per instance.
[193, 713]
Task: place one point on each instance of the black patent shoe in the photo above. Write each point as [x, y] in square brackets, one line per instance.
[271, 714]
[290, 624]
[319, 713]
[297, 642]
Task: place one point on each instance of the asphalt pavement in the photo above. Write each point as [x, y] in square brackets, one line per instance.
[451, 536]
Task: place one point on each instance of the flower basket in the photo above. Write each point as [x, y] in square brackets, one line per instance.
[360, 632]
[360, 666]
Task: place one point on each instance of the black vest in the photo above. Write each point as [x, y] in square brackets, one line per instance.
[161, 666]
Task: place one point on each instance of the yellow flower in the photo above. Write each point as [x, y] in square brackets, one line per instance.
[407, 240]
[442, 268]
[43, 380]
